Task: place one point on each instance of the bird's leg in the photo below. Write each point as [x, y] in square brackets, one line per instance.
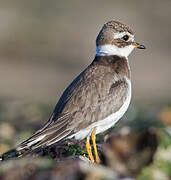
[93, 138]
[88, 148]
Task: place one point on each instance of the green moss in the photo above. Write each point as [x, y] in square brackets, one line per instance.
[145, 174]
[74, 149]
[164, 166]
[165, 139]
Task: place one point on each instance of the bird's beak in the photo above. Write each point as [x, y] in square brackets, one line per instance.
[139, 46]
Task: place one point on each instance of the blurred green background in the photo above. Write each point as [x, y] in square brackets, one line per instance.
[45, 44]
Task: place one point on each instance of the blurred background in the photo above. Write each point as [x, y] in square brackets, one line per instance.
[45, 44]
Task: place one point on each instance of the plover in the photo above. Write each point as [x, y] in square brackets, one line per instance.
[97, 98]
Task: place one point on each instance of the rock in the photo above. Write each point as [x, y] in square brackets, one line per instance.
[128, 153]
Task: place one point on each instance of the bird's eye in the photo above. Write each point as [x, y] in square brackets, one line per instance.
[125, 37]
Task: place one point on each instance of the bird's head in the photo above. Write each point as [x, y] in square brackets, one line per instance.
[116, 38]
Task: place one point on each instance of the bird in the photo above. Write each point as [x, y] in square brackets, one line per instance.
[97, 98]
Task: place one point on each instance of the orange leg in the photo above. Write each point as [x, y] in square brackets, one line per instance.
[88, 148]
[93, 138]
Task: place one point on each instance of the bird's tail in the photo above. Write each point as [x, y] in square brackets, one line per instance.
[46, 136]
[51, 133]
[23, 148]
[39, 139]
[30, 144]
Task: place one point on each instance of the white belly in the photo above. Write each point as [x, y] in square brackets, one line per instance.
[108, 122]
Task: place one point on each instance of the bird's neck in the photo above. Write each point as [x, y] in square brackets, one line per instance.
[114, 63]
[109, 50]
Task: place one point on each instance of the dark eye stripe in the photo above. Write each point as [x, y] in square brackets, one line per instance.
[125, 37]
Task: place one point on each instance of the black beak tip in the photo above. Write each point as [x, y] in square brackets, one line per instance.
[141, 47]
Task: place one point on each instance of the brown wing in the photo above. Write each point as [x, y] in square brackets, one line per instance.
[92, 96]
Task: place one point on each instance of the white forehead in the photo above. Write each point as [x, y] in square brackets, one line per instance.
[121, 34]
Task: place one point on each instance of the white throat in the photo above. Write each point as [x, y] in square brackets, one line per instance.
[108, 50]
